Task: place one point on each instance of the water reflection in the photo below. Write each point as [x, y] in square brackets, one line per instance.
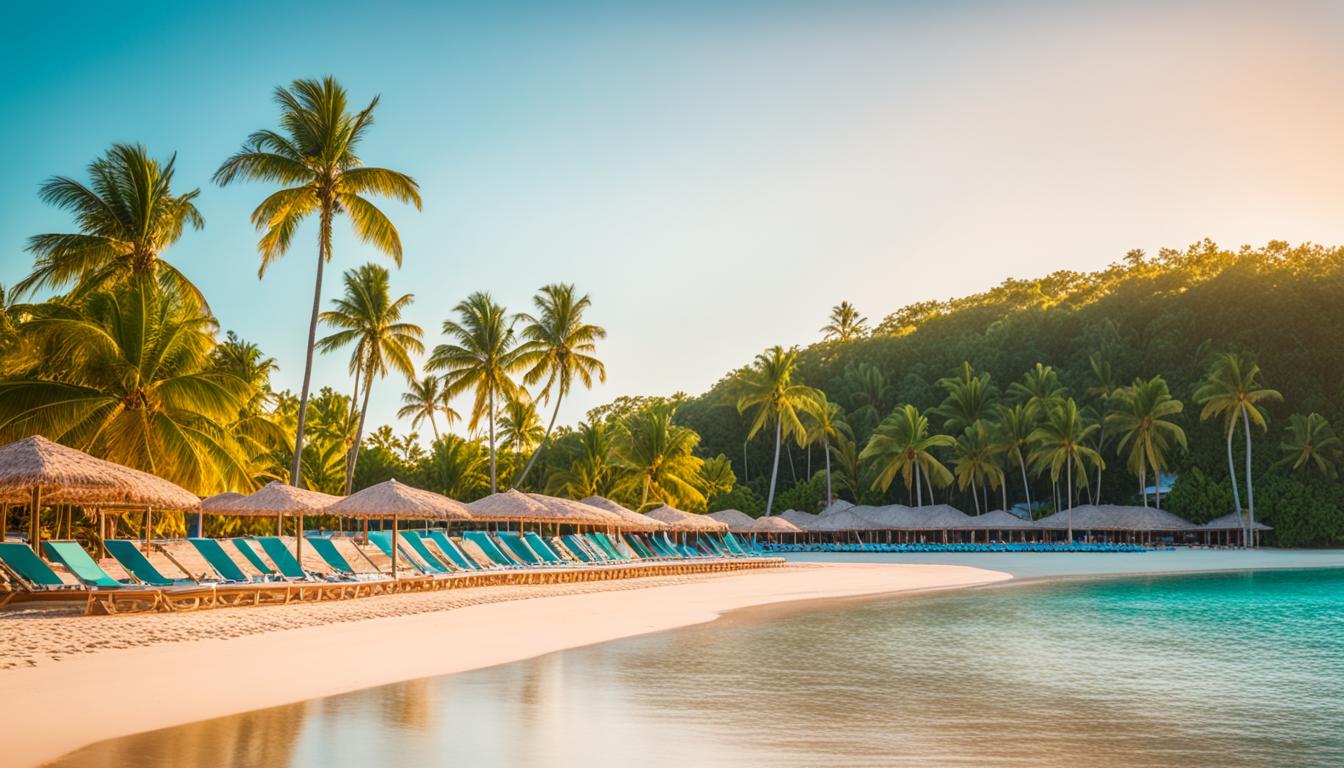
[1230, 670]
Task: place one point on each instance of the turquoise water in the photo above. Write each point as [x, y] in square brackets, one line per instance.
[1237, 669]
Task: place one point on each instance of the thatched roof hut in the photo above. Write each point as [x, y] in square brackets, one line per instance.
[678, 520]
[632, 520]
[845, 520]
[1233, 522]
[772, 524]
[836, 505]
[570, 512]
[799, 518]
[510, 505]
[1113, 517]
[394, 499]
[65, 475]
[999, 520]
[736, 520]
[890, 517]
[275, 498]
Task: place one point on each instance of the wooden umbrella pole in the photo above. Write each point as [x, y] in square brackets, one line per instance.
[298, 539]
[102, 535]
[35, 521]
[395, 536]
[149, 526]
[4, 522]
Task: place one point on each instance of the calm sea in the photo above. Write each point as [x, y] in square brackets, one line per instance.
[1237, 669]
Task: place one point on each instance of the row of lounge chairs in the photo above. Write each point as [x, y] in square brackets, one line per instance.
[1077, 546]
[274, 569]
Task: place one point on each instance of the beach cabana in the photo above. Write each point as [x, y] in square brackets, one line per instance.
[397, 500]
[999, 520]
[844, 521]
[276, 499]
[1113, 518]
[836, 505]
[35, 470]
[510, 506]
[771, 526]
[1230, 523]
[686, 522]
[570, 512]
[736, 520]
[799, 518]
[633, 521]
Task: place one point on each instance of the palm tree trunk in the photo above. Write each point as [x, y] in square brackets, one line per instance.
[1003, 488]
[1250, 487]
[919, 488]
[434, 426]
[1143, 485]
[1026, 486]
[359, 434]
[774, 472]
[1101, 441]
[975, 499]
[323, 248]
[493, 487]
[1068, 470]
[554, 413]
[826, 448]
[1232, 473]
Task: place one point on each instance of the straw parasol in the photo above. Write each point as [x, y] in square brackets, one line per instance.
[277, 499]
[35, 469]
[736, 520]
[1114, 517]
[773, 524]
[631, 519]
[570, 512]
[397, 500]
[217, 502]
[999, 520]
[844, 520]
[510, 505]
[801, 519]
[1233, 522]
[678, 520]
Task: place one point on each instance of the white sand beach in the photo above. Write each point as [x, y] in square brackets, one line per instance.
[69, 681]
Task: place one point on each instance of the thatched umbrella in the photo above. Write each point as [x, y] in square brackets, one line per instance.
[1115, 517]
[844, 520]
[736, 520]
[678, 520]
[397, 500]
[570, 512]
[631, 520]
[277, 499]
[35, 469]
[510, 506]
[799, 518]
[772, 524]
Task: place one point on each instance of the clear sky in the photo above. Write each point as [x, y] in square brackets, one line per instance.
[716, 175]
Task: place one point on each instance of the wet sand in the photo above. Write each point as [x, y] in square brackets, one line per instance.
[69, 681]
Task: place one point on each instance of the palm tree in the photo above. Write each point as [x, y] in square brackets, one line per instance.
[1140, 414]
[902, 444]
[655, 460]
[970, 399]
[848, 469]
[1061, 444]
[825, 420]
[975, 463]
[423, 400]
[846, 324]
[768, 390]
[869, 391]
[1310, 442]
[370, 319]
[127, 216]
[1103, 386]
[455, 468]
[1039, 389]
[482, 359]
[558, 346]
[519, 424]
[1231, 389]
[588, 471]
[717, 476]
[314, 157]
[125, 375]
[258, 427]
[1014, 427]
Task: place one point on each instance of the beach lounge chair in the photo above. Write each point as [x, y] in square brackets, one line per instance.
[450, 549]
[542, 549]
[515, 544]
[80, 565]
[383, 540]
[415, 540]
[23, 565]
[634, 543]
[487, 545]
[34, 580]
[224, 566]
[330, 555]
[576, 550]
[250, 555]
[128, 555]
[606, 545]
[289, 565]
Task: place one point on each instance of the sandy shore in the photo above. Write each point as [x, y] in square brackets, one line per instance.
[66, 682]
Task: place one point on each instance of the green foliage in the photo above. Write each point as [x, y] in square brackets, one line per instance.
[740, 498]
[1200, 497]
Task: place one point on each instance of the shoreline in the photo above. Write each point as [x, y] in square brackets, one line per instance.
[200, 666]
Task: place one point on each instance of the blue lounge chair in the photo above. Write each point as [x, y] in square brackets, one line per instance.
[638, 546]
[129, 556]
[224, 567]
[515, 544]
[606, 545]
[383, 540]
[416, 542]
[284, 560]
[576, 549]
[487, 545]
[542, 549]
[450, 549]
[661, 546]
[78, 562]
[326, 549]
[250, 555]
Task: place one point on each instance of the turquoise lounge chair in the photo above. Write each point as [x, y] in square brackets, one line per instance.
[219, 560]
[289, 565]
[450, 549]
[715, 549]
[606, 545]
[129, 556]
[661, 544]
[330, 555]
[417, 543]
[78, 562]
[383, 540]
[24, 565]
[637, 545]
[575, 549]
[518, 547]
[487, 545]
[735, 546]
[250, 555]
[540, 546]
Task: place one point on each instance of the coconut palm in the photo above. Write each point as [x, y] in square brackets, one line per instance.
[1102, 385]
[975, 463]
[422, 400]
[588, 471]
[125, 375]
[848, 468]
[127, 217]
[846, 324]
[655, 460]
[869, 391]
[1310, 442]
[519, 424]
[902, 445]
[481, 359]
[970, 399]
[1013, 428]
[314, 156]
[369, 318]
[455, 468]
[768, 390]
[1140, 415]
[558, 346]
[717, 476]
[1061, 446]
[258, 427]
[1230, 390]
[825, 421]
[1039, 390]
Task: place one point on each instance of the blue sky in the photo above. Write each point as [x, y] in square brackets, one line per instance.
[716, 175]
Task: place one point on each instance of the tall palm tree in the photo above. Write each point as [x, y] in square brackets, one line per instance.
[125, 375]
[846, 324]
[902, 445]
[655, 460]
[558, 346]
[1014, 427]
[1310, 442]
[422, 400]
[1140, 415]
[314, 156]
[769, 391]
[1039, 390]
[848, 468]
[825, 421]
[717, 476]
[127, 217]
[589, 470]
[369, 318]
[519, 424]
[870, 393]
[1061, 445]
[1232, 389]
[482, 358]
[970, 399]
[975, 463]
[1102, 385]
[455, 468]
[258, 427]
